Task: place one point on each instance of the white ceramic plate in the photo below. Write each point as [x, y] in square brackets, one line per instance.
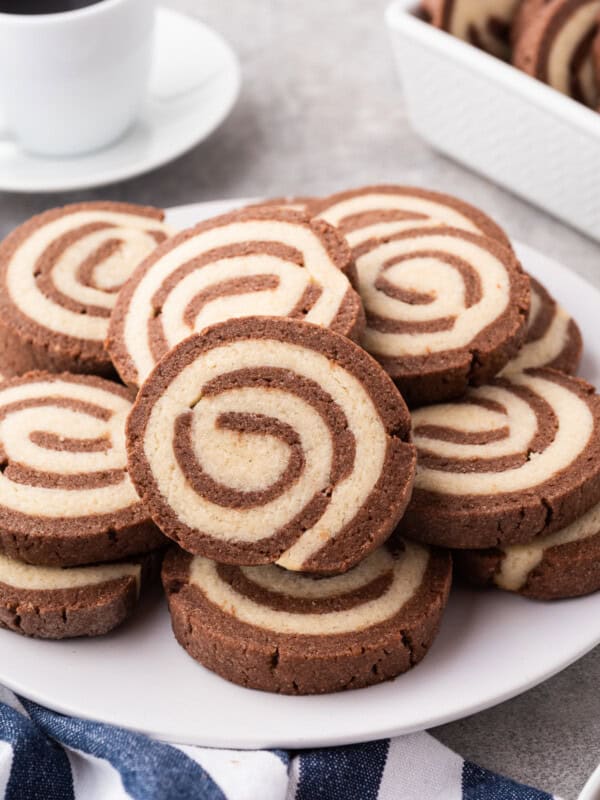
[491, 647]
[591, 791]
[194, 84]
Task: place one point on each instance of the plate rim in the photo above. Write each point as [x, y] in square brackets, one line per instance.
[295, 741]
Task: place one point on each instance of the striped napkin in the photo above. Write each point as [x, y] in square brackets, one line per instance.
[47, 756]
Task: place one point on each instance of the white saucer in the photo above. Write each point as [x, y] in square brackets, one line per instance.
[194, 84]
[492, 645]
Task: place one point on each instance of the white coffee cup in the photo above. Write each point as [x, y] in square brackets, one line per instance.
[74, 81]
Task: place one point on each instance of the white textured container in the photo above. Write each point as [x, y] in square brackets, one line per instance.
[499, 121]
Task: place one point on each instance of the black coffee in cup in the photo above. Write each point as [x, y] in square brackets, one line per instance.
[43, 6]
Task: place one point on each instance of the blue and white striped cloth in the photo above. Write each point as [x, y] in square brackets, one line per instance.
[47, 756]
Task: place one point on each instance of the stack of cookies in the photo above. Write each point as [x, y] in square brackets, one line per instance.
[508, 468]
[275, 451]
[555, 41]
[273, 354]
[76, 543]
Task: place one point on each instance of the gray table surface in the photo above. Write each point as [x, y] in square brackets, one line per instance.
[320, 110]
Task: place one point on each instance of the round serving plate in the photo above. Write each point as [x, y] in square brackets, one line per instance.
[492, 645]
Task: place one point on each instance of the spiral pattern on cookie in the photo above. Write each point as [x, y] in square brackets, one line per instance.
[376, 212]
[483, 23]
[511, 461]
[65, 494]
[310, 634]
[60, 273]
[371, 593]
[256, 261]
[553, 338]
[270, 440]
[444, 308]
[556, 46]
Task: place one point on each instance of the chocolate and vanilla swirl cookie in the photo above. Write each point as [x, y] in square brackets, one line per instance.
[563, 564]
[59, 275]
[514, 460]
[267, 261]
[553, 338]
[554, 43]
[278, 631]
[66, 498]
[272, 440]
[483, 23]
[445, 309]
[376, 212]
[57, 603]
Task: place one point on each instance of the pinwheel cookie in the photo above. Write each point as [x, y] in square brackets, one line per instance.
[268, 261]
[563, 564]
[446, 306]
[55, 603]
[553, 338]
[554, 43]
[376, 212]
[59, 274]
[65, 495]
[445, 309]
[483, 23]
[272, 440]
[514, 460]
[278, 631]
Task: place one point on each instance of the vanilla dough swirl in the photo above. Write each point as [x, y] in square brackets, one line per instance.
[267, 261]
[60, 275]
[65, 493]
[270, 440]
